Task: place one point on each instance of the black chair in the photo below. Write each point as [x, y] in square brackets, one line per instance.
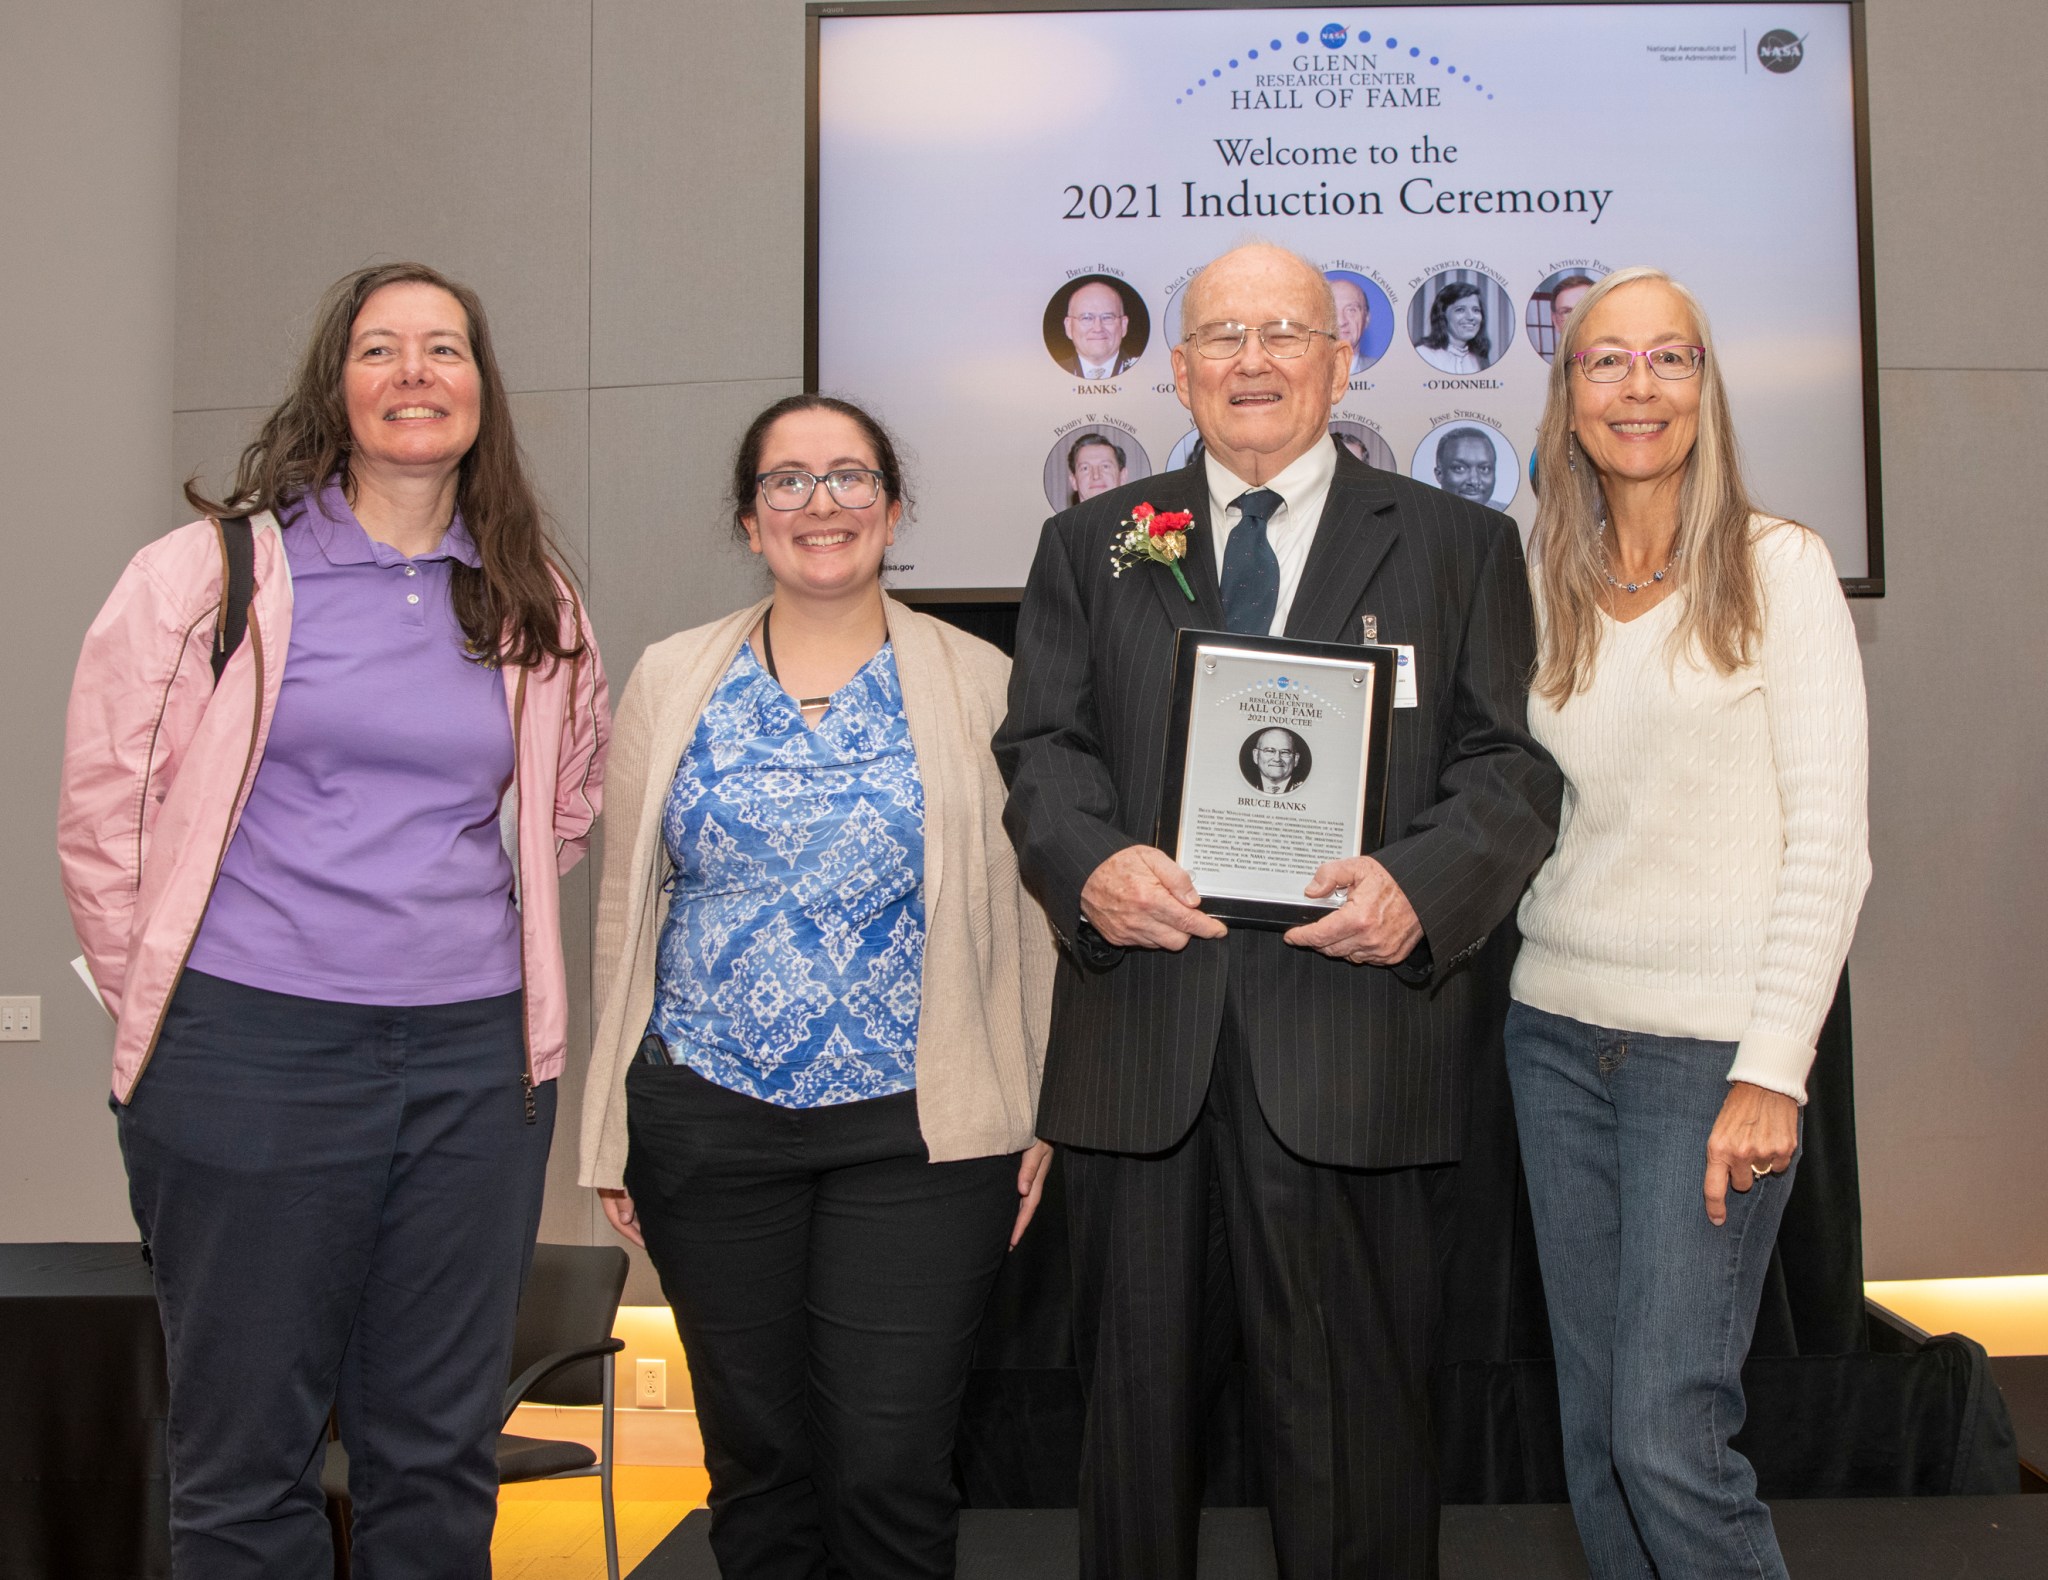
[561, 1354]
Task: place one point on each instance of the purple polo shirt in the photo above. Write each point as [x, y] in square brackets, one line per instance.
[367, 867]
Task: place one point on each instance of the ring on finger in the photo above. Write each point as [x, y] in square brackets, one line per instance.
[1757, 1173]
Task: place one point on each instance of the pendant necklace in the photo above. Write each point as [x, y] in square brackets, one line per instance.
[1606, 569]
[804, 704]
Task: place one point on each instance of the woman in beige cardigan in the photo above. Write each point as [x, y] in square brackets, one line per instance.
[822, 1004]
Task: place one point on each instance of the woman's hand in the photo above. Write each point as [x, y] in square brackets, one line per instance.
[1757, 1133]
[618, 1207]
[1030, 1186]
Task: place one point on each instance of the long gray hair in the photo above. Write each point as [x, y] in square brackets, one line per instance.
[1716, 564]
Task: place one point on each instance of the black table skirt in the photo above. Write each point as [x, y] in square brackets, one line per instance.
[83, 1492]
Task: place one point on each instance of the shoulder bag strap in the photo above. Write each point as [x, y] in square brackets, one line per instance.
[238, 589]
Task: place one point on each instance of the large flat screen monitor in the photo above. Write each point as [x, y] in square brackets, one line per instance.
[1008, 202]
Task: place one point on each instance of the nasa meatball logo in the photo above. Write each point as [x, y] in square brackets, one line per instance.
[1780, 51]
[1334, 34]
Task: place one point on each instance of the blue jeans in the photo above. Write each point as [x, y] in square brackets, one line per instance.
[341, 1202]
[1651, 1306]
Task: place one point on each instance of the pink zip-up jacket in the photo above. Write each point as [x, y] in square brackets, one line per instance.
[158, 762]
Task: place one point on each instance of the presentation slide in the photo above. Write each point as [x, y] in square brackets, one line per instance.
[1010, 207]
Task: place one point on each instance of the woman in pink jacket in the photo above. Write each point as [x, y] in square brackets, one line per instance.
[318, 895]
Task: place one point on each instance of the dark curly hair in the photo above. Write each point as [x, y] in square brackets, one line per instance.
[1439, 336]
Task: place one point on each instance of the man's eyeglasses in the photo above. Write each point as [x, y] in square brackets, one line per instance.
[1612, 364]
[854, 488]
[1094, 320]
[1282, 338]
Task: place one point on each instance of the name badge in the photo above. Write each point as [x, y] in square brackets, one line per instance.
[1404, 660]
[1405, 694]
[1404, 675]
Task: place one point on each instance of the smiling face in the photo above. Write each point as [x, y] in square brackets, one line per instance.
[1258, 413]
[1353, 312]
[1095, 322]
[1275, 756]
[1643, 429]
[1095, 470]
[1464, 318]
[410, 382]
[822, 548]
[1464, 466]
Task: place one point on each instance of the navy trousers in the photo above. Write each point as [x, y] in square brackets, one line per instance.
[341, 1202]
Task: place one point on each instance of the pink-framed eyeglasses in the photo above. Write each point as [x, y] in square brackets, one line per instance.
[1612, 364]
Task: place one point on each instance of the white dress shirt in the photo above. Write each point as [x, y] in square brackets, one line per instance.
[1303, 485]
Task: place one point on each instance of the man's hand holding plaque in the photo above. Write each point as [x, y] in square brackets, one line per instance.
[1375, 926]
[1140, 898]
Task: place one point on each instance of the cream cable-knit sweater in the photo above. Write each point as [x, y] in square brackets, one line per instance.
[1714, 846]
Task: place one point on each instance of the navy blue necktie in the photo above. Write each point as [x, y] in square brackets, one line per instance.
[1251, 570]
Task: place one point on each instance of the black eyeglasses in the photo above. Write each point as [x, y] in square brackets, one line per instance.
[852, 487]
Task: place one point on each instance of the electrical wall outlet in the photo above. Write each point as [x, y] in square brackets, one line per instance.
[21, 1018]
[650, 1385]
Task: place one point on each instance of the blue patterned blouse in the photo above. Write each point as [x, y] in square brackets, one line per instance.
[791, 962]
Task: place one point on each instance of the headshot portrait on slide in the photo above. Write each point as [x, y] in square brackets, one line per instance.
[1365, 443]
[1096, 326]
[1471, 460]
[1365, 318]
[1091, 461]
[1552, 303]
[1460, 321]
[1274, 760]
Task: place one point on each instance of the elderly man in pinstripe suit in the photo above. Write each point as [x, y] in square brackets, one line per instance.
[1308, 1087]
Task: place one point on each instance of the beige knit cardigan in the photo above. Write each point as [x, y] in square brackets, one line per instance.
[988, 949]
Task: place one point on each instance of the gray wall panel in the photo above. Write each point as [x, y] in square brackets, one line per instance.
[663, 557]
[697, 191]
[1957, 122]
[89, 122]
[1951, 1003]
[554, 438]
[206, 444]
[327, 134]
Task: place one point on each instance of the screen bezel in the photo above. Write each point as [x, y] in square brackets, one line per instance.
[1870, 585]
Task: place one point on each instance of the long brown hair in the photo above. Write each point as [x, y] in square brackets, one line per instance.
[1722, 616]
[510, 609]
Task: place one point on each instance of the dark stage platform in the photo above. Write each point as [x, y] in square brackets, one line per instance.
[1833, 1539]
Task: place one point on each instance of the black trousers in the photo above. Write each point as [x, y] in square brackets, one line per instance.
[827, 1282]
[1334, 1275]
[341, 1202]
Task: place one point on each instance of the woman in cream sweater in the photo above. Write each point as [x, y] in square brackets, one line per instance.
[1698, 682]
[822, 999]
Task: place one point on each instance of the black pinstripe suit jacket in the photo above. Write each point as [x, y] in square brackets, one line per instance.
[1354, 1064]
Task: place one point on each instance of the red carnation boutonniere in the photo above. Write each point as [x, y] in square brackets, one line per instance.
[1160, 536]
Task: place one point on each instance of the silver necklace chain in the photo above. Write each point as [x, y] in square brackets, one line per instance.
[1607, 566]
